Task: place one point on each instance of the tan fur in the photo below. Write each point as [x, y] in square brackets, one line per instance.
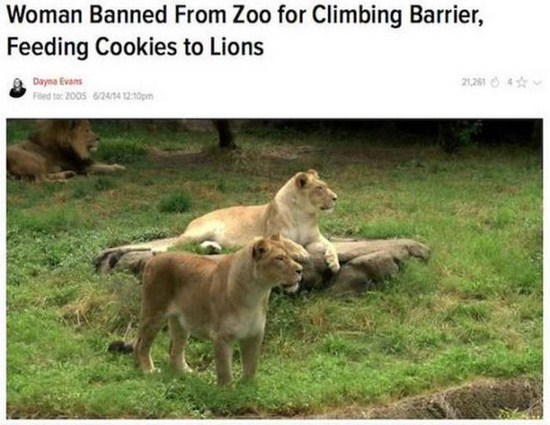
[59, 149]
[293, 213]
[224, 301]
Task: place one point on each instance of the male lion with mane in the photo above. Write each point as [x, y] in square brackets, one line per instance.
[292, 213]
[225, 301]
[56, 151]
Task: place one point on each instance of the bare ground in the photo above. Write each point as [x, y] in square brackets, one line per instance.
[481, 399]
[277, 155]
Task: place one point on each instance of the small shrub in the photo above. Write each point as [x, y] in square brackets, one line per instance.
[80, 192]
[176, 203]
[456, 134]
[103, 183]
[221, 185]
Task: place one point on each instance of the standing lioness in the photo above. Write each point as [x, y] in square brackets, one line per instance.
[225, 301]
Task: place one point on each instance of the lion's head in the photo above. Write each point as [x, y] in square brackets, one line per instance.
[314, 191]
[69, 136]
[273, 263]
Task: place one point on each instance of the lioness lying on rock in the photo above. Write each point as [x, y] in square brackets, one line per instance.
[292, 213]
[225, 301]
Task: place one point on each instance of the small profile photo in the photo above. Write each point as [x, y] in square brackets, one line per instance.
[17, 90]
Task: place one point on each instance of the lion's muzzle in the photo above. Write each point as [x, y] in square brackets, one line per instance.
[295, 283]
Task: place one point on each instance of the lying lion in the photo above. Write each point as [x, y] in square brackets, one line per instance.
[58, 150]
[293, 213]
[224, 301]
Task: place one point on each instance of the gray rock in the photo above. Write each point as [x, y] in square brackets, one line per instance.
[364, 263]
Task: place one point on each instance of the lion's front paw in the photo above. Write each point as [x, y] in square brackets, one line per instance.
[159, 249]
[118, 167]
[300, 254]
[332, 260]
[296, 251]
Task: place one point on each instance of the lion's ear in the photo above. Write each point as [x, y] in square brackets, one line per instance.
[259, 249]
[313, 173]
[301, 179]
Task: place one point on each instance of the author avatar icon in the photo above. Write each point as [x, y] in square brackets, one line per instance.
[17, 90]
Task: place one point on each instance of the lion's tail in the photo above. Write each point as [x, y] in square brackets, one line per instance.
[130, 257]
[121, 347]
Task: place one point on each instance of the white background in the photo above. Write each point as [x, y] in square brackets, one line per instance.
[317, 71]
[307, 70]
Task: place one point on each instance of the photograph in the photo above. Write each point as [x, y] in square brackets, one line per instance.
[288, 268]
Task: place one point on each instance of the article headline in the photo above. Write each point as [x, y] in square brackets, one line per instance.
[181, 14]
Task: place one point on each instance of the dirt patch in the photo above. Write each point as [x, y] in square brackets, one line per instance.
[483, 399]
[179, 158]
[260, 161]
[205, 155]
[282, 154]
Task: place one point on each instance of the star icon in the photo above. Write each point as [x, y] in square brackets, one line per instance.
[521, 82]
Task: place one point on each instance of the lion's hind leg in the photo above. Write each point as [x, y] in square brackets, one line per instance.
[24, 164]
[148, 329]
[209, 236]
[98, 168]
[178, 340]
[211, 247]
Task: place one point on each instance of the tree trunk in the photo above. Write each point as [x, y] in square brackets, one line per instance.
[226, 140]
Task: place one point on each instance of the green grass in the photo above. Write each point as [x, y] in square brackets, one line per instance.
[473, 310]
[176, 203]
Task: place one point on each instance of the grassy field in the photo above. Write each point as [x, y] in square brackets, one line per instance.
[473, 310]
